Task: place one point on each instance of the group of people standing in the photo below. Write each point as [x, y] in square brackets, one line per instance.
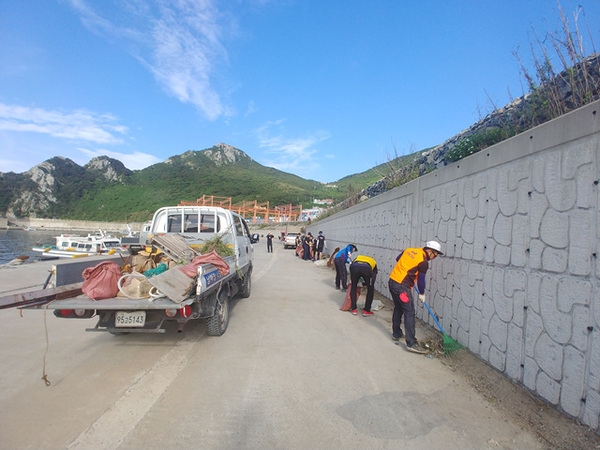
[307, 247]
[408, 273]
[310, 248]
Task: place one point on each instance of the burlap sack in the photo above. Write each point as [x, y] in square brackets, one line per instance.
[348, 301]
[134, 285]
[101, 280]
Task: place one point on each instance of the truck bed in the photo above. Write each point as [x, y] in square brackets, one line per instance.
[117, 303]
[125, 303]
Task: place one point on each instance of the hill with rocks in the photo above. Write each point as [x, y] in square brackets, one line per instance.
[104, 189]
[567, 91]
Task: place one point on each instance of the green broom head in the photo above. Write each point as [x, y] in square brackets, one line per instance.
[450, 345]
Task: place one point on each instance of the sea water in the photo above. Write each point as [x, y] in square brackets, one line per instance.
[15, 243]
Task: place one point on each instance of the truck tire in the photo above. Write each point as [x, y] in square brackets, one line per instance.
[247, 284]
[217, 324]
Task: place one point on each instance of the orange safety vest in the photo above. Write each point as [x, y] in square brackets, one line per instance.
[408, 266]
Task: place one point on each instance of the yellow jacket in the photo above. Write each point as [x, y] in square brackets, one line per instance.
[366, 259]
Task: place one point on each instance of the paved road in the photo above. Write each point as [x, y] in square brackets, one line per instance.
[291, 372]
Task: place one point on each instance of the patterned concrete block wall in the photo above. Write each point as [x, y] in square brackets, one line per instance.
[520, 225]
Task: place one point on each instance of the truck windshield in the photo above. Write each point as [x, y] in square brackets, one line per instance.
[187, 220]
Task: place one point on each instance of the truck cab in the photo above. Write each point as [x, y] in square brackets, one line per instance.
[198, 224]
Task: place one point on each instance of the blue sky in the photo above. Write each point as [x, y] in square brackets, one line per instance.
[318, 88]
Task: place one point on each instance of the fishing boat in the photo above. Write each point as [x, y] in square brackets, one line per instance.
[75, 246]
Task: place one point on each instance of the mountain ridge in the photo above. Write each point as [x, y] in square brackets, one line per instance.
[104, 187]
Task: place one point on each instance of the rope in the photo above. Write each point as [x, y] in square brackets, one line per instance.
[44, 374]
[155, 293]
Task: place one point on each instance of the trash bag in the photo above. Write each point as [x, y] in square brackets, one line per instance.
[101, 281]
[191, 269]
[348, 301]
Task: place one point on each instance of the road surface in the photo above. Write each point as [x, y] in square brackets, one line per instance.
[291, 372]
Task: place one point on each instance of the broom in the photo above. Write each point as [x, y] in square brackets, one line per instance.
[450, 345]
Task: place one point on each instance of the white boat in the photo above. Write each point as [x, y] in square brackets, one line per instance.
[75, 246]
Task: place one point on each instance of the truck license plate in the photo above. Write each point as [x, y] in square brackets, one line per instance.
[130, 319]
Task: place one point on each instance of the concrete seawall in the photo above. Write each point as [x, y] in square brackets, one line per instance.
[520, 225]
[68, 225]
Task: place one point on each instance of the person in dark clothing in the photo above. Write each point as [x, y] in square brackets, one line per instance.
[343, 257]
[270, 242]
[319, 246]
[307, 246]
[363, 267]
[411, 267]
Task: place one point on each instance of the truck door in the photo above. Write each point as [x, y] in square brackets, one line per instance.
[245, 250]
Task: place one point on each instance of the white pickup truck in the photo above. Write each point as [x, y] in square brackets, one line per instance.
[177, 233]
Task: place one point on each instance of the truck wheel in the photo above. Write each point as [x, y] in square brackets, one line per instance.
[247, 284]
[217, 324]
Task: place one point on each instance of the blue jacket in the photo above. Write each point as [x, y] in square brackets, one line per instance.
[345, 254]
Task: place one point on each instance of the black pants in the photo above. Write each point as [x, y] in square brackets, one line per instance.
[362, 270]
[269, 246]
[403, 305]
[341, 275]
[306, 249]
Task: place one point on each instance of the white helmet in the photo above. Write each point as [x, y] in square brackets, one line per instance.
[434, 245]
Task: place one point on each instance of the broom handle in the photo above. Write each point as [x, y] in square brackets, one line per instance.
[434, 318]
[430, 312]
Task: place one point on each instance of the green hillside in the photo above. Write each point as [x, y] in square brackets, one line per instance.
[87, 193]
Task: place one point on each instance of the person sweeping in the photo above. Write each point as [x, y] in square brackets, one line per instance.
[411, 266]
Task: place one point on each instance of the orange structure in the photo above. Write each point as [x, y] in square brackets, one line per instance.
[209, 200]
[282, 213]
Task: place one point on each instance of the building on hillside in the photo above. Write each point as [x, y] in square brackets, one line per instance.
[310, 214]
[325, 201]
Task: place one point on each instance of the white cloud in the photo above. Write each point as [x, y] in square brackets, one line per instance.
[31, 135]
[133, 161]
[286, 153]
[179, 42]
[251, 109]
[77, 125]
[13, 165]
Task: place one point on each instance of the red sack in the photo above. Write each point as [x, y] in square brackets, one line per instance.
[348, 301]
[191, 269]
[101, 281]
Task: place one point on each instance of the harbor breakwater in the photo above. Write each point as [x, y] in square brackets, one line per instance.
[68, 225]
[121, 227]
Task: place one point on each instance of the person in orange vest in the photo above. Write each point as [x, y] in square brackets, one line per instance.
[411, 267]
[363, 267]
